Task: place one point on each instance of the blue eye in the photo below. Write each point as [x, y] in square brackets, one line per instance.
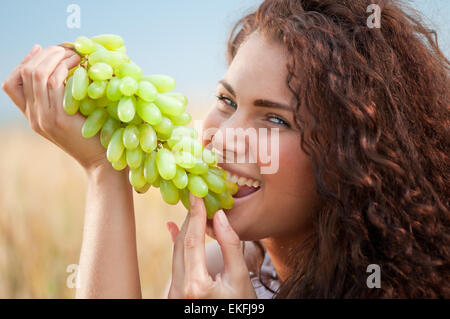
[226, 101]
[277, 120]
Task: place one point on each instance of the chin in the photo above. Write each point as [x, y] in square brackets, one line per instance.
[242, 217]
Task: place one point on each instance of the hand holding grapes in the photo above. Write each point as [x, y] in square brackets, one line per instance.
[190, 277]
[139, 120]
[36, 86]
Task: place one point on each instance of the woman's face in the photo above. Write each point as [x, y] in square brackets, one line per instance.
[282, 203]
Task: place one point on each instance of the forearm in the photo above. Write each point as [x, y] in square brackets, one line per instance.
[108, 260]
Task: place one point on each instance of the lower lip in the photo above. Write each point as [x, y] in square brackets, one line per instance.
[239, 200]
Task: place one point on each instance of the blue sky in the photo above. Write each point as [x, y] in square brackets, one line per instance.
[182, 38]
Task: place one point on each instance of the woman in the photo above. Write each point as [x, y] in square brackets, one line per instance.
[363, 174]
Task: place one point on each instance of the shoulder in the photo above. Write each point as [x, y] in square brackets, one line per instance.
[214, 259]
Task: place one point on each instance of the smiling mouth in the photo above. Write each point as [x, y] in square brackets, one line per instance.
[246, 185]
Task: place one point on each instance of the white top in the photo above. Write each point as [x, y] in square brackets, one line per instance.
[269, 277]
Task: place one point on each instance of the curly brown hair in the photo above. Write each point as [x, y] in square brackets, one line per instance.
[377, 103]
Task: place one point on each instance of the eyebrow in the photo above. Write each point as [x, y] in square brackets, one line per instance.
[258, 102]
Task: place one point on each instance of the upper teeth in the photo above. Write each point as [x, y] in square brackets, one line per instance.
[240, 180]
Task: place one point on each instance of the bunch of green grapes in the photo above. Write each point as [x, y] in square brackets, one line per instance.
[142, 124]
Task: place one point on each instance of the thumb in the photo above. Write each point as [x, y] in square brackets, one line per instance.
[230, 244]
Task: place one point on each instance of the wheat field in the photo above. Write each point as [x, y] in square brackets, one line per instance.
[42, 193]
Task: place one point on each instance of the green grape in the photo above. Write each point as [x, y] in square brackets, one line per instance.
[163, 137]
[134, 157]
[218, 171]
[146, 91]
[184, 196]
[157, 181]
[147, 138]
[87, 106]
[115, 146]
[197, 185]
[209, 157]
[116, 58]
[131, 137]
[98, 47]
[150, 171]
[182, 119]
[212, 205]
[163, 83]
[112, 109]
[169, 192]
[113, 89]
[136, 119]
[99, 56]
[70, 105]
[180, 97]
[72, 71]
[129, 69]
[165, 162]
[136, 177]
[199, 168]
[102, 101]
[108, 129]
[185, 159]
[143, 189]
[226, 200]
[109, 41]
[125, 109]
[128, 86]
[84, 45]
[122, 49]
[169, 105]
[180, 132]
[164, 127]
[100, 72]
[121, 163]
[149, 112]
[190, 145]
[94, 123]
[181, 179]
[232, 188]
[96, 89]
[215, 183]
[80, 83]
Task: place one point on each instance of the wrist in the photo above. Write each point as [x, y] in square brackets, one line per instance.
[104, 172]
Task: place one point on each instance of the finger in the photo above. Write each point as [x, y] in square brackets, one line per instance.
[72, 59]
[173, 230]
[178, 258]
[194, 241]
[28, 72]
[230, 245]
[54, 112]
[42, 74]
[55, 86]
[13, 85]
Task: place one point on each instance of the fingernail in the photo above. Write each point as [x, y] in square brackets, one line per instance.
[73, 58]
[222, 218]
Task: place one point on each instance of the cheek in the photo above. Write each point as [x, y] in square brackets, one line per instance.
[291, 191]
[210, 125]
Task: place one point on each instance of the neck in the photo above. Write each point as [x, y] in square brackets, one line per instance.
[279, 249]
